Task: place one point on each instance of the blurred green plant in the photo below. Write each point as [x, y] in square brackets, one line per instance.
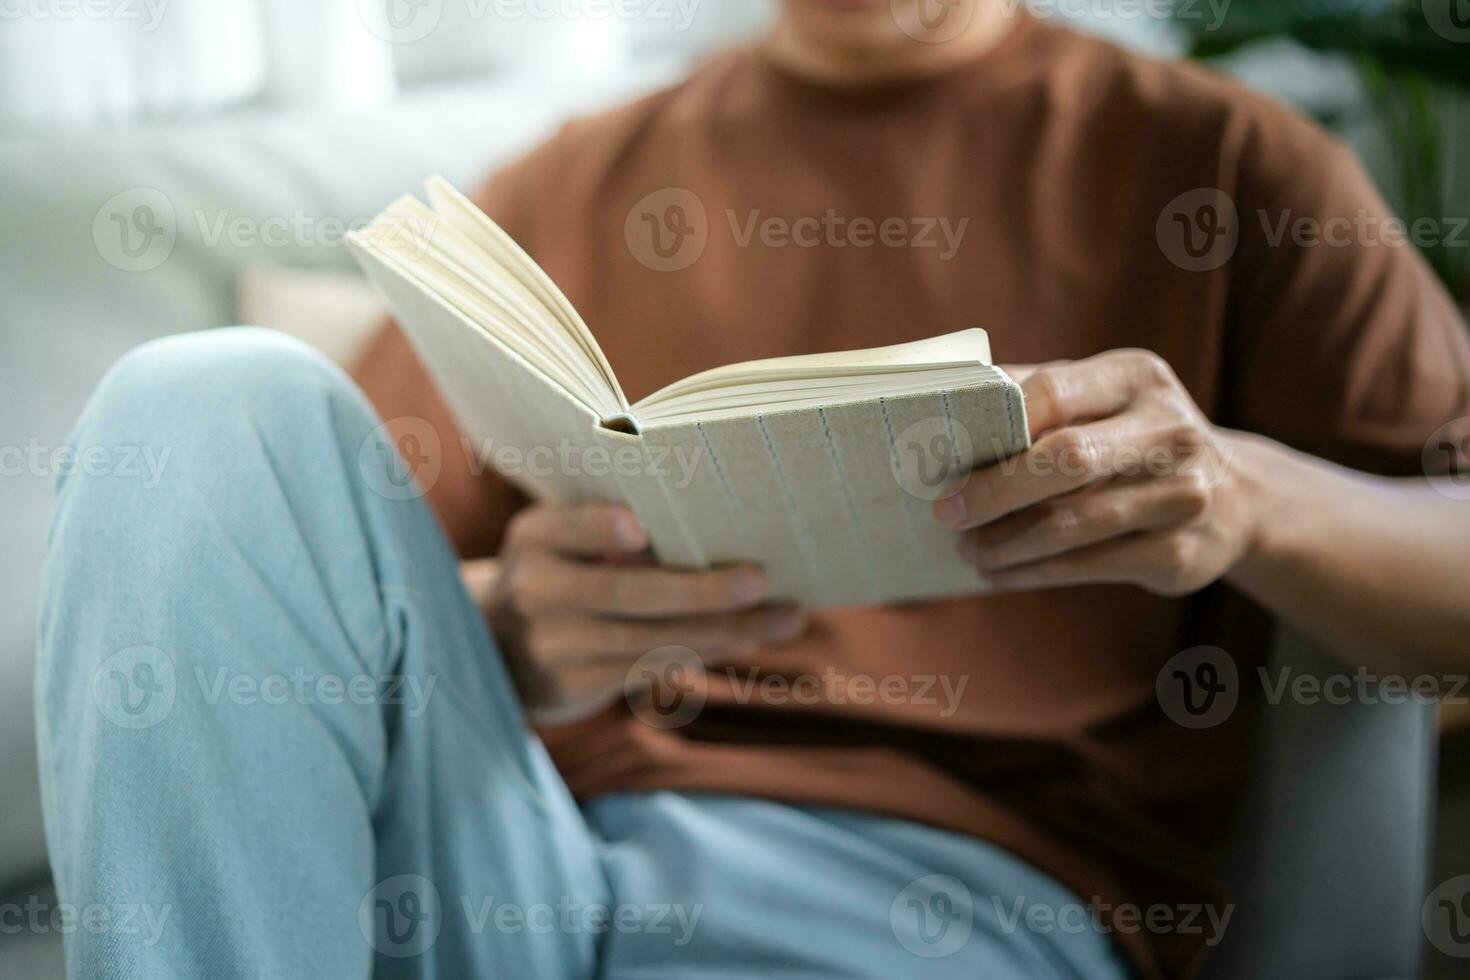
[1414, 59]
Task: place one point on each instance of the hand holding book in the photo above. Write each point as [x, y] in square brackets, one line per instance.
[1126, 482]
[576, 606]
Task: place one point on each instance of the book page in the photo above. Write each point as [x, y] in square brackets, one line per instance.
[461, 212]
[896, 366]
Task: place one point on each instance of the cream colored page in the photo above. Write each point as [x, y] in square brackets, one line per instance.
[457, 209]
[514, 418]
[970, 346]
[785, 394]
[474, 281]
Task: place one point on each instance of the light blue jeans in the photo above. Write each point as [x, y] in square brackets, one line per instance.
[278, 741]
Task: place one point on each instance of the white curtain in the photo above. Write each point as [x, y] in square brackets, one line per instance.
[65, 61]
[84, 62]
[98, 62]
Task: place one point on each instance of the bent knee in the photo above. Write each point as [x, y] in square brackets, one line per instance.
[209, 400]
[228, 365]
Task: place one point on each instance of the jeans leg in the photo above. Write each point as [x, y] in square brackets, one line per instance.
[724, 888]
[272, 725]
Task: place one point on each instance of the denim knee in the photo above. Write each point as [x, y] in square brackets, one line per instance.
[245, 480]
[188, 380]
[195, 406]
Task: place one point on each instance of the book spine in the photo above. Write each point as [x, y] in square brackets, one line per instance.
[648, 481]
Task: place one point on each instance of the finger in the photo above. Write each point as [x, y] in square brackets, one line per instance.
[1077, 520]
[580, 690]
[1074, 391]
[1020, 372]
[545, 583]
[558, 644]
[480, 577]
[576, 690]
[1063, 461]
[1154, 560]
[592, 529]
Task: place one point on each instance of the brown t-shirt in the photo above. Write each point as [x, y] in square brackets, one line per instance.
[1034, 193]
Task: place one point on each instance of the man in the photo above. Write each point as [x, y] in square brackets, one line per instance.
[1124, 231]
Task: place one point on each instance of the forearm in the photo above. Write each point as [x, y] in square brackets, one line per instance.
[1375, 568]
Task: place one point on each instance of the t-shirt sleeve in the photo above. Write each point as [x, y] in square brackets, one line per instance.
[1342, 341]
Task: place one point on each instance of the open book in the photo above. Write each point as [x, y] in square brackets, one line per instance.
[821, 468]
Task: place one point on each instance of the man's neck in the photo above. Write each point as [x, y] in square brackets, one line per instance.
[912, 58]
